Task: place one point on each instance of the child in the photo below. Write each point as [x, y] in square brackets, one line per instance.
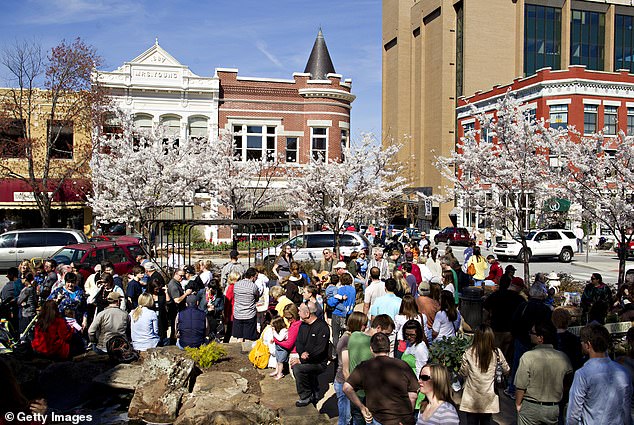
[280, 333]
[69, 315]
[269, 339]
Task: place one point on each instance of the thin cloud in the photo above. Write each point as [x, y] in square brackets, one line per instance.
[264, 50]
[61, 12]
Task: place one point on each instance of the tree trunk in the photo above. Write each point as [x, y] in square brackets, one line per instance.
[622, 251]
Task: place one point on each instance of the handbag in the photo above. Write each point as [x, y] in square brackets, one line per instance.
[500, 378]
[471, 270]
[259, 354]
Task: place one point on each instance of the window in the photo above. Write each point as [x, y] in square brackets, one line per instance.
[531, 114]
[291, 149]
[587, 39]
[254, 142]
[172, 127]
[466, 128]
[142, 123]
[344, 144]
[348, 240]
[609, 120]
[623, 42]
[198, 128]
[297, 242]
[135, 251]
[31, 239]
[59, 239]
[319, 143]
[542, 38]
[321, 240]
[7, 240]
[559, 116]
[486, 134]
[459, 49]
[590, 119]
[12, 139]
[630, 121]
[60, 135]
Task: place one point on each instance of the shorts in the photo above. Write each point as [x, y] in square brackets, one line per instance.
[281, 354]
[245, 328]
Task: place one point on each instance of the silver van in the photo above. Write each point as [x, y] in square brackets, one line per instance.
[310, 246]
[17, 245]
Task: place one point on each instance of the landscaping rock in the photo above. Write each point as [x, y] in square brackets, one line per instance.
[164, 381]
[123, 376]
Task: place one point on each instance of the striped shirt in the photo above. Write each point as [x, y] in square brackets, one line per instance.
[446, 414]
[245, 295]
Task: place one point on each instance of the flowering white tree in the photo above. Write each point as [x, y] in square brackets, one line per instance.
[138, 174]
[599, 175]
[360, 186]
[507, 176]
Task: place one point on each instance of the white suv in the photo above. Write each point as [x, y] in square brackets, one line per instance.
[540, 243]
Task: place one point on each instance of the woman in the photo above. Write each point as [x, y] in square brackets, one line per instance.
[429, 305]
[292, 284]
[479, 362]
[284, 348]
[402, 287]
[416, 344]
[159, 306]
[362, 265]
[426, 251]
[27, 301]
[352, 266]
[144, 327]
[25, 267]
[447, 320]
[407, 311]
[232, 278]
[212, 302]
[480, 264]
[278, 294]
[451, 259]
[282, 266]
[52, 334]
[433, 262]
[106, 285]
[448, 282]
[356, 322]
[567, 342]
[434, 383]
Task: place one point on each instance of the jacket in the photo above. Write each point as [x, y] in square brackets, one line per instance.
[55, 341]
[313, 339]
[192, 324]
[108, 323]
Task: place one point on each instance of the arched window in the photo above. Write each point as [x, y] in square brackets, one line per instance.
[198, 127]
[172, 126]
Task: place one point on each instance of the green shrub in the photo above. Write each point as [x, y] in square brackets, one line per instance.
[449, 351]
[207, 354]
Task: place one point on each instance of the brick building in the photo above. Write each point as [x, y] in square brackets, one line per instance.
[295, 118]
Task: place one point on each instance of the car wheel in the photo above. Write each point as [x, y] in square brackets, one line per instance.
[448, 241]
[524, 253]
[436, 241]
[566, 255]
[269, 262]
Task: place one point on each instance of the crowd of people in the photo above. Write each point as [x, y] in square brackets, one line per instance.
[375, 319]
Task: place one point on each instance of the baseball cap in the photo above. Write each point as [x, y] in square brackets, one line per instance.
[510, 267]
[113, 296]
[189, 270]
[149, 266]
[340, 265]
[517, 281]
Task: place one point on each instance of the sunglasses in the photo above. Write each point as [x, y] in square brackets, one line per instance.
[409, 335]
[424, 378]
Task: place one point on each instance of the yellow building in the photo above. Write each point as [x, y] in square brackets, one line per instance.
[27, 167]
[435, 51]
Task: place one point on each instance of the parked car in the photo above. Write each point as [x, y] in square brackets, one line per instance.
[559, 243]
[310, 246]
[121, 253]
[630, 248]
[17, 245]
[453, 236]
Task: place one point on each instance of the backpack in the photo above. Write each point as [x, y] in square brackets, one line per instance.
[120, 350]
[259, 354]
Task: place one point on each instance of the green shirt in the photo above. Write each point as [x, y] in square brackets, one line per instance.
[358, 351]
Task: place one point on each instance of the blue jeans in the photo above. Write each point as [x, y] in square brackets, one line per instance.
[520, 349]
[343, 404]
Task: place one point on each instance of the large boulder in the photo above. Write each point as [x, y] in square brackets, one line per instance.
[164, 381]
[122, 376]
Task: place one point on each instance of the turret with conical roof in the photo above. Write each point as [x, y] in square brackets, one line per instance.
[319, 63]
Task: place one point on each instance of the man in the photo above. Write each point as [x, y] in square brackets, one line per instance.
[389, 384]
[579, 234]
[525, 317]
[488, 237]
[501, 306]
[359, 351]
[379, 262]
[312, 346]
[326, 264]
[51, 278]
[596, 298]
[177, 301]
[232, 266]
[191, 324]
[374, 290]
[342, 301]
[153, 274]
[109, 322]
[409, 259]
[9, 296]
[423, 241]
[389, 303]
[245, 295]
[108, 267]
[509, 274]
[135, 287]
[601, 391]
[541, 378]
[495, 272]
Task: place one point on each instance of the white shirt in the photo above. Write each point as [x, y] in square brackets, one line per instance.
[421, 353]
[374, 291]
[444, 327]
[399, 321]
[579, 233]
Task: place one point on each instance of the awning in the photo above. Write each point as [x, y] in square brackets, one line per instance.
[557, 205]
[20, 193]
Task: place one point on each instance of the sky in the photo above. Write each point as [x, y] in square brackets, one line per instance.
[266, 38]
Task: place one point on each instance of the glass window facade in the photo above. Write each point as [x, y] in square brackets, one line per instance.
[624, 42]
[254, 142]
[319, 143]
[590, 119]
[587, 39]
[291, 149]
[609, 120]
[630, 121]
[542, 38]
[559, 116]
